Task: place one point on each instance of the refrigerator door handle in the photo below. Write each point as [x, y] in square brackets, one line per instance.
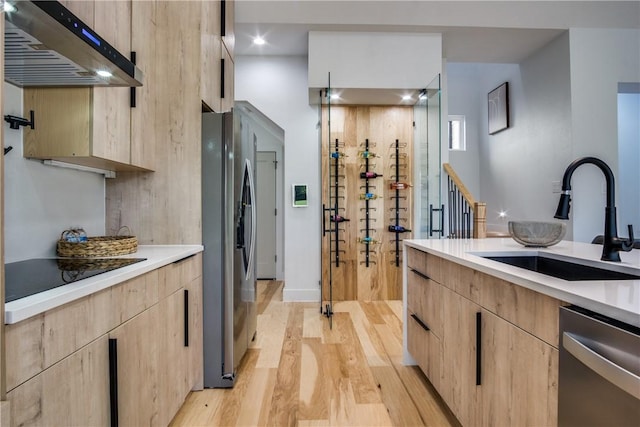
[252, 244]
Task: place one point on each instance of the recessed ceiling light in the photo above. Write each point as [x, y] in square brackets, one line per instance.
[406, 97]
[103, 73]
[259, 41]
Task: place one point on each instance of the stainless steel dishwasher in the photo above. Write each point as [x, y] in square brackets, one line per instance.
[599, 378]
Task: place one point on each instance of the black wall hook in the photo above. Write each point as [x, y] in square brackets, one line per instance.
[7, 149]
[15, 122]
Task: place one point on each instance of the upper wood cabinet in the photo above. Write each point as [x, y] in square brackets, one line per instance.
[228, 17]
[228, 82]
[143, 115]
[211, 52]
[97, 126]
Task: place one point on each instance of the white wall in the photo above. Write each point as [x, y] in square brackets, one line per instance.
[600, 59]
[373, 60]
[42, 201]
[629, 163]
[465, 98]
[516, 166]
[277, 86]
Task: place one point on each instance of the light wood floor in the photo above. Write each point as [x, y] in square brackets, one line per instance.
[301, 373]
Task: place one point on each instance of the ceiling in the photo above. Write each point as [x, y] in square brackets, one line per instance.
[472, 31]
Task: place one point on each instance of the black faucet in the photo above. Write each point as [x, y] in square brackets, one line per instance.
[612, 243]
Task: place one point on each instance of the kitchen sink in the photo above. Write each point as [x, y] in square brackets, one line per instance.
[562, 269]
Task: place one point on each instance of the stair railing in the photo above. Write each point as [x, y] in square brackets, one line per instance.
[467, 217]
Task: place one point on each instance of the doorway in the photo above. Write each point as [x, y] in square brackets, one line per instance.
[267, 214]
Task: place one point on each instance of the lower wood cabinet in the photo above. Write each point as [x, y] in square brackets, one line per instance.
[519, 376]
[492, 364]
[151, 358]
[74, 391]
[138, 353]
[460, 351]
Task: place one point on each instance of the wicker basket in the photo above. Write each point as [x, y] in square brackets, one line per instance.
[96, 247]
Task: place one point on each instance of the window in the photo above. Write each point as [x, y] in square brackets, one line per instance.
[457, 133]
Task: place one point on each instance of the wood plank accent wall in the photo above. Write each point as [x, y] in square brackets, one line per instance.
[164, 207]
[352, 125]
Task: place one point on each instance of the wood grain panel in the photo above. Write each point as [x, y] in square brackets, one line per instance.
[165, 207]
[112, 119]
[536, 313]
[53, 137]
[72, 392]
[144, 134]
[517, 364]
[352, 126]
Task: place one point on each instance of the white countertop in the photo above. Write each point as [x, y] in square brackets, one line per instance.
[156, 256]
[618, 299]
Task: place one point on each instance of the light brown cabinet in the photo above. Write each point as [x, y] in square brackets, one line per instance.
[211, 52]
[492, 357]
[97, 126]
[137, 353]
[228, 32]
[228, 81]
[59, 362]
[74, 391]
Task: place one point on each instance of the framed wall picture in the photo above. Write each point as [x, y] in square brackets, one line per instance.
[299, 196]
[498, 108]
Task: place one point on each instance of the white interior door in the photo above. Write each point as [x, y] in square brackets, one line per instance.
[266, 198]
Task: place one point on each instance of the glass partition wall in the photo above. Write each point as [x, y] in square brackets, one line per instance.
[330, 250]
[428, 209]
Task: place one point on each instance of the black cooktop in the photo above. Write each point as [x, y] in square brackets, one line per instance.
[25, 278]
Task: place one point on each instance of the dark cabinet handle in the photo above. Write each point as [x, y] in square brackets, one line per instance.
[222, 78]
[113, 381]
[424, 276]
[133, 89]
[479, 348]
[186, 318]
[223, 18]
[420, 322]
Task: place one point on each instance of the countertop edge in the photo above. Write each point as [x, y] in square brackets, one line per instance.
[555, 288]
[157, 256]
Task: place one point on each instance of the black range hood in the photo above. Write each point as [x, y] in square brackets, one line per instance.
[45, 45]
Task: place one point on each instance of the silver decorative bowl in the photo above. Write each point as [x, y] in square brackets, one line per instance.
[537, 234]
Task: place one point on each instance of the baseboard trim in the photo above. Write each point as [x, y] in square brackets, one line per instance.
[300, 295]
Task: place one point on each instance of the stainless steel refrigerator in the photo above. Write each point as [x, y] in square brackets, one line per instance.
[229, 236]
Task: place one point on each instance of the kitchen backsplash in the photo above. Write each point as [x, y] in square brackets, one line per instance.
[41, 200]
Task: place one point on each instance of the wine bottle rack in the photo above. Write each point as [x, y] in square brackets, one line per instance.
[333, 211]
[367, 260]
[397, 187]
[368, 240]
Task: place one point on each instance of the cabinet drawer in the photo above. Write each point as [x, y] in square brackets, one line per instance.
[426, 349]
[41, 341]
[529, 310]
[424, 299]
[428, 265]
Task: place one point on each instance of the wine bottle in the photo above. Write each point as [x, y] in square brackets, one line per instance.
[368, 196]
[398, 229]
[367, 154]
[367, 240]
[337, 155]
[399, 185]
[338, 218]
[368, 175]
